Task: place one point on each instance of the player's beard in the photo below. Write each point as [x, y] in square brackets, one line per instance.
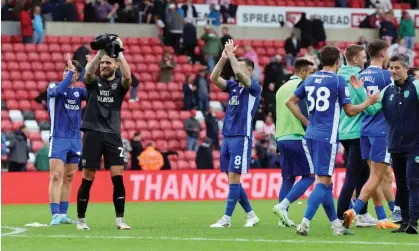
[107, 73]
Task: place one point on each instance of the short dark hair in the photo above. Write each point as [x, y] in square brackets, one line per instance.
[137, 134]
[79, 67]
[352, 51]
[375, 47]
[22, 127]
[403, 59]
[248, 62]
[328, 55]
[301, 63]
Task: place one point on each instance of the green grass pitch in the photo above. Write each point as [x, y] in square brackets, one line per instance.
[184, 226]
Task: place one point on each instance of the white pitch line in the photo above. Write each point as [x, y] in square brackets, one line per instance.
[222, 240]
[16, 230]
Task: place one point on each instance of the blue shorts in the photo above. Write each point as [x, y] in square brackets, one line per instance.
[66, 149]
[323, 155]
[375, 149]
[294, 158]
[235, 155]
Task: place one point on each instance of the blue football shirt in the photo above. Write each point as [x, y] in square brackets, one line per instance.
[375, 80]
[64, 108]
[242, 105]
[326, 93]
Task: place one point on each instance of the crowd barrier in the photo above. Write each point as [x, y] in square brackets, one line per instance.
[188, 185]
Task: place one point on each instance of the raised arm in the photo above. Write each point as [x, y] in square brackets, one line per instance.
[124, 67]
[215, 75]
[62, 87]
[240, 75]
[92, 67]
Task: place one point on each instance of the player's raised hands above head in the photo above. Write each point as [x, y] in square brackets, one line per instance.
[230, 48]
[70, 65]
[356, 83]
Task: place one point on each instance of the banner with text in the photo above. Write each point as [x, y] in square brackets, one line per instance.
[32, 187]
[269, 16]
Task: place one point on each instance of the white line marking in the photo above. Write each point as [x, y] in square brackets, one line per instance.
[16, 230]
[222, 240]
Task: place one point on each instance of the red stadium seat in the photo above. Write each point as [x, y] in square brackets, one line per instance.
[145, 105]
[18, 48]
[22, 94]
[129, 124]
[33, 136]
[169, 134]
[183, 164]
[173, 145]
[145, 135]
[141, 125]
[38, 48]
[12, 104]
[25, 66]
[64, 40]
[6, 46]
[6, 125]
[9, 95]
[165, 124]
[161, 114]
[158, 105]
[25, 105]
[4, 115]
[33, 56]
[149, 115]
[153, 96]
[161, 145]
[137, 114]
[190, 155]
[6, 84]
[177, 124]
[37, 145]
[153, 124]
[126, 114]
[54, 48]
[21, 56]
[13, 66]
[157, 134]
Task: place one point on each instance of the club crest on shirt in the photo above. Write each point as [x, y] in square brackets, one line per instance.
[406, 93]
[391, 97]
[234, 100]
[114, 85]
[417, 159]
[76, 94]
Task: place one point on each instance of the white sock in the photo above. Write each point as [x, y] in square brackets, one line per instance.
[396, 208]
[306, 221]
[227, 218]
[336, 223]
[63, 215]
[251, 214]
[285, 203]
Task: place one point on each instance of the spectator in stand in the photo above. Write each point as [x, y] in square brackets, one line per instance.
[226, 35]
[167, 64]
[269, 99]
[147, 12]
[212, 47]
[69, 11]
[388, 29]
[189, 10]
[42, 158]
[254, 162]
[407, 30]
[292, 48]
[269, 127]
[211, 123]
[202, 84]
[318, 32]
[251, 53]
[227, 11]
[192, 128]
[89, 12]
[128, 14]
[3, 145]
[363, 42]
[400, 48]
[274, 73]
[371, 21]
[306, 31]
[161, 28]
[137, 148]
[204, 158]
[262, 152]
[214, 14]
[174, 22]
[80, 55]
[127, 148]
[189, 94]
[26, 27]
[19, 150]
[189, 39]
[38, 26]
[151, 159]
[166, 162]
[105, 11]
[382, 5]
[7, 12]
[341, 3]
[312, 56]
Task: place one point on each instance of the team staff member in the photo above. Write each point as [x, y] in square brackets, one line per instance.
[400, 104]
[102, 130]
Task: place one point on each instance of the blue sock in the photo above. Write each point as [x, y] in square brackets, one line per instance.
[55, 208]
[381, 213]
[286, 187]
[63, 207]
[233, 197]
[314, 201]
[329, 204]
[244, 201]
[358, 206]
[391, 205]
[300, 188]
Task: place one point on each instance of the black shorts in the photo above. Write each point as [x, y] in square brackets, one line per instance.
[97, 143]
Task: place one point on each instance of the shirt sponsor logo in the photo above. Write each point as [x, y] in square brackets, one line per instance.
[72, 105]
[104, 97]
[234, 101]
